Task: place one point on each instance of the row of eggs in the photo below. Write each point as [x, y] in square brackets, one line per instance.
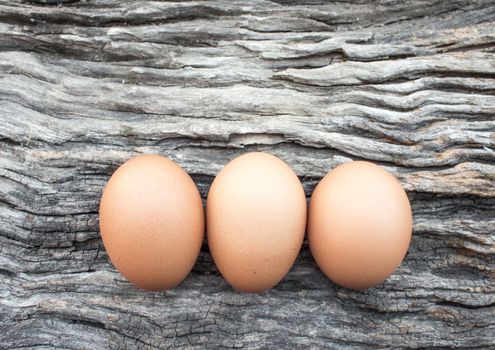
[152, 222]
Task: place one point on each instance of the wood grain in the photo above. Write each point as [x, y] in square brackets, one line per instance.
[85, 85]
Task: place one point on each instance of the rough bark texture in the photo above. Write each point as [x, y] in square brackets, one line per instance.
[85, 85]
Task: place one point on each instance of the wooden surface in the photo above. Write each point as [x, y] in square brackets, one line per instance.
[85, 85]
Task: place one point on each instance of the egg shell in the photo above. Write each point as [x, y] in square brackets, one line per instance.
[256, 217]
[152, 222]
[359, 224]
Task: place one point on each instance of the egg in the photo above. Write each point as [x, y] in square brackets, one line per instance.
[152, 222]
[359, 224]
[256, 217]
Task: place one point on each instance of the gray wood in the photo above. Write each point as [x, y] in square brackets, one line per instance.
[85, 85]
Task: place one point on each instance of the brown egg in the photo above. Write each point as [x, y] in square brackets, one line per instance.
[256, 217]
[359, 224]
[152, 222]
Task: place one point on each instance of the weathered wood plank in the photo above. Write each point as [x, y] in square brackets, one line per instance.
[85, 85]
